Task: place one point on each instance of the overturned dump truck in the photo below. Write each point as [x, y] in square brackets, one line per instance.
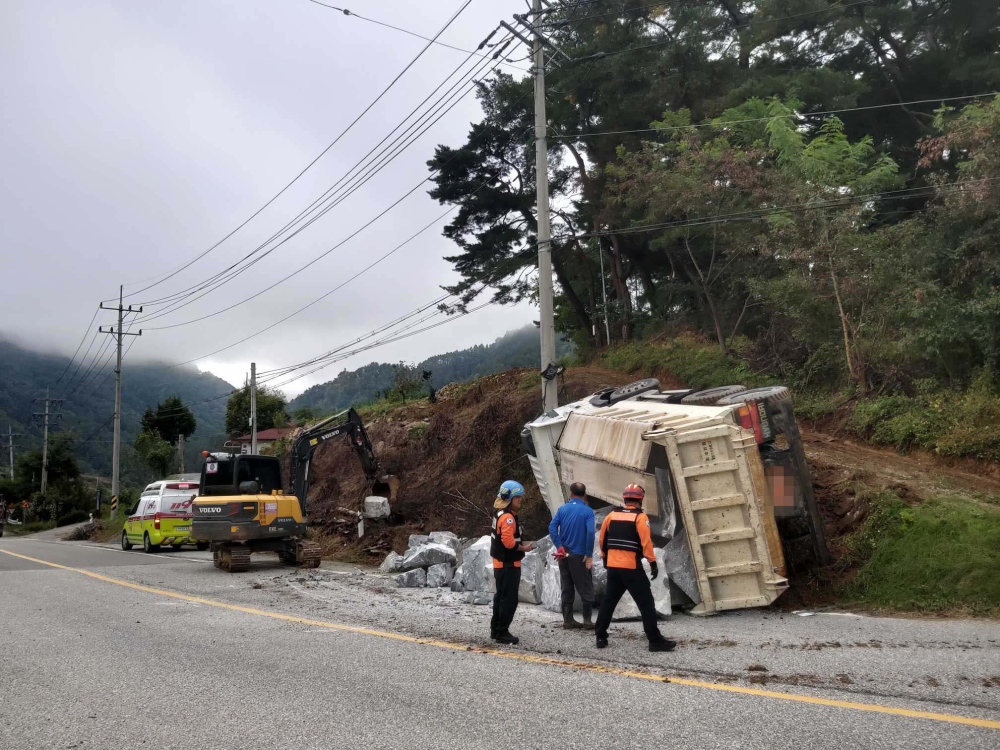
[711, 462]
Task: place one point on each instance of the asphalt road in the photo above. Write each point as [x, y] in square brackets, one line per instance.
[132, 650]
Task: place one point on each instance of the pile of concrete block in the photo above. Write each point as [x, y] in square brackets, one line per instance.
[428, 561]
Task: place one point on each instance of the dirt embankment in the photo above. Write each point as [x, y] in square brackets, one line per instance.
[450, 458]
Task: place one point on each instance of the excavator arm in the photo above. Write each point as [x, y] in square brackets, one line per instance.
[347, 423]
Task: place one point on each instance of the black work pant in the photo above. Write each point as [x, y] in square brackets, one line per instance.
[505, 599]
[574, 576]
[635, 582]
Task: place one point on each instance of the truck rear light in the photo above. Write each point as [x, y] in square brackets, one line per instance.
[749, 418]
[156, 521]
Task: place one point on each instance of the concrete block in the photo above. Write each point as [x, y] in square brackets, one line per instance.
[439, 575]
[393, 563]
[428, 554]
[377, 507]
[412, 579]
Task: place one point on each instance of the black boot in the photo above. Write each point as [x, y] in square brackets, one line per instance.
[568, 622]
[507, 638]
[663, 644]
[588, 614]
[601, 642]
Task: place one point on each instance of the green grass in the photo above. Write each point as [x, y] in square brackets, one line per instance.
[383, 406]
[111, 528]
[939, 556]
[417, 431]
[28, 528]
[696, 363]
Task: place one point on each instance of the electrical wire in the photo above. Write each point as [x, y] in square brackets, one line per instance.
[800, 115]
[454, 99]
[352, 14]
[78, 347]
[336, 140]
[348, 175]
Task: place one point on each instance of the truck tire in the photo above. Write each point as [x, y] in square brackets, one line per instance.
[770, 395]
[609, 396]
[712, 396]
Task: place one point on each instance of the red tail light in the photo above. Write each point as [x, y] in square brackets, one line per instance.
[156, 521]
[182, 486]
[750, 420]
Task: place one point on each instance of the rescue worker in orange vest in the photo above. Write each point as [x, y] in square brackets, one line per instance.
[507, 552]
[624, 542]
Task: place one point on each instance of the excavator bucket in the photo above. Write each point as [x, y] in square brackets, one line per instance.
[386, 486]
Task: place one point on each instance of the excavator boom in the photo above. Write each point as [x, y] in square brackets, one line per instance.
[347, 423]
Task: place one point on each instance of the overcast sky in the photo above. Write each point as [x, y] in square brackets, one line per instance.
[135, 135]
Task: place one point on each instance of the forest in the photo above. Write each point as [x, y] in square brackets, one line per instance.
[807, 186]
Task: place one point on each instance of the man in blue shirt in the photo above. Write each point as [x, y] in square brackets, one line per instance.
[572, 534]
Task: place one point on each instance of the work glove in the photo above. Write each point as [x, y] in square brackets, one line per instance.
[654, 571]
[559, 554]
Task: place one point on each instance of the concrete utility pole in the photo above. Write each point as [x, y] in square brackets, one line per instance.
[45, 416]
[119, 334]
[253, 408]
[180, 451]
[550, 393]
[10, 445]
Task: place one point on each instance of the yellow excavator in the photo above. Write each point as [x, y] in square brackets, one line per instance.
[242, 508]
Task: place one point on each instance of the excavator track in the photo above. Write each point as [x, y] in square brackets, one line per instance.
[234, 558]
[302, 554]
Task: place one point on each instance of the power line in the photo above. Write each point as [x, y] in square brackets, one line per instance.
[346, 176]
[719, 123]
[336, 140]
[359, 180]
[78, 346]
[352, 14]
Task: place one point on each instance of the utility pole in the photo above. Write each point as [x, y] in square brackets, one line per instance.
[118, 333]
[253, 408]
[547, 327]
[45, 416]
[10, 445]
[180, 450]
[550, 393]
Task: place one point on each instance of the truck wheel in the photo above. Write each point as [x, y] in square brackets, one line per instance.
[712, 396]
[148, 546]
[126, 544]
[770, 395]
[609, 396]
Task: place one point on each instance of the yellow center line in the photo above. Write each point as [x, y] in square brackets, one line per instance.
[948, 718]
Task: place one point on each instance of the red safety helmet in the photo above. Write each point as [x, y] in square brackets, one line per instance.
[634, 492]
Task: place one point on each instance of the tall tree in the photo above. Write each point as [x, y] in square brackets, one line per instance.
[270, 409]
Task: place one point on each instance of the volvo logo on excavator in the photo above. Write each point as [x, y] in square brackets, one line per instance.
[329, 435]
[209, 509]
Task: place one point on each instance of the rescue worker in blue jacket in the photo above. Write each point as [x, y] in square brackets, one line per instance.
[625, 540]
[572, 533]
[507, 552]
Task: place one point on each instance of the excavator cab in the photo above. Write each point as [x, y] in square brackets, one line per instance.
[241, 507]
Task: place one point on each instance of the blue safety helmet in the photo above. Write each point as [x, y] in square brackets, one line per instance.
[510, 489]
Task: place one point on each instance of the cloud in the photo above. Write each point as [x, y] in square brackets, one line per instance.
[135, 136]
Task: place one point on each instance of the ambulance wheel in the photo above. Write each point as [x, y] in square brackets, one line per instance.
[148, 546]
[201, 546]
[126, 544]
